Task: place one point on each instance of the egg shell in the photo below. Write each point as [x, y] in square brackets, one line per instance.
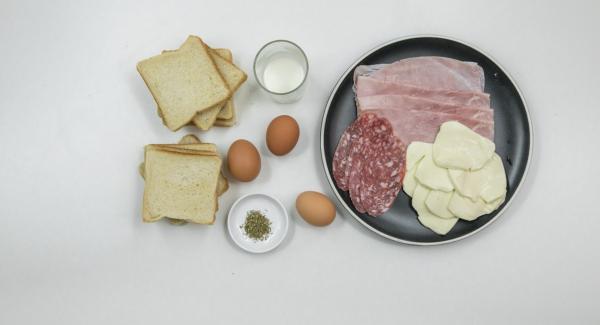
[315, 208]
[243, 160]
[282, 135]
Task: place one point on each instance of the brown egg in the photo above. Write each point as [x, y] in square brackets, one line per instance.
[282, 135]
[315, 208]
[243, 160]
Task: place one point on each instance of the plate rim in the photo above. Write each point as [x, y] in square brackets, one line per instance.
[322, 140]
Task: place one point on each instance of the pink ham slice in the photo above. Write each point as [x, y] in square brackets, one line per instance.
[412, 126]
[368, 86]
[422, 105]
[430, 72]
[422, 93]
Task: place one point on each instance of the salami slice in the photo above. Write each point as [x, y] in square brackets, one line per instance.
[378, 158]
[354, 161]
[340, 160]
[369, 163]
[382, 172]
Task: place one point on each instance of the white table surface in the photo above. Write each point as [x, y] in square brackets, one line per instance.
[75, 115]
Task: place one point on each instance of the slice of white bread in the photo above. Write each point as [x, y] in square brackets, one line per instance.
[228, 122]
[223, 184]
[226, 115]
[180, 185]
[207, 148]
[205, 119]
[190, 139]
[234, 77]
[226, 112]
[184, 82]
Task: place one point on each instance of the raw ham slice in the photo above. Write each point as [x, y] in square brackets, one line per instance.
[417, 104]
[418, 126]
[431, 72]
[368, 86]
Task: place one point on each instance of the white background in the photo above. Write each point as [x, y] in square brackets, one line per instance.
[75, 115]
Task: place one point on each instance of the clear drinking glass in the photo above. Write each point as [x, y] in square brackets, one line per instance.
[281, 69]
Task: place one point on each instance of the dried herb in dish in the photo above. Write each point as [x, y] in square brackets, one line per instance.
[256, 226]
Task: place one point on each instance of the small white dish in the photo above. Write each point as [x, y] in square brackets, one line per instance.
[271, 208]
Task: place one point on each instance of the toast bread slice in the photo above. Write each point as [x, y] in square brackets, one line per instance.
[228, 122]
[184, 82]
[234, 77]
[180, 185]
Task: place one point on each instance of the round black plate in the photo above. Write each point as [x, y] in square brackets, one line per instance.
[513, 135]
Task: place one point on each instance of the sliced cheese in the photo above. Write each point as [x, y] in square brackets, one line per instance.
[432, 175]
[489, 182]
[419, 197]
[410, 182]
[457, 146]
[439, 225]
[469, 210]
[437, 203]
[492, 206]
[415, 152]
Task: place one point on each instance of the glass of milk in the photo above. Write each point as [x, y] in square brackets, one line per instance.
[281, 68]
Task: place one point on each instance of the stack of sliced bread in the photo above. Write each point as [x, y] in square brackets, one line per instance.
[193, 85]
[182, 181]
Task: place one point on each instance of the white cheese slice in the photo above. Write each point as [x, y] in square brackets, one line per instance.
[489, 182]
[432, 175]
[492, 206]
[439, 225]
[469, 210]
[457, 146]
[437, 203]
[409, 183]
[415, 151]
[419, 197]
